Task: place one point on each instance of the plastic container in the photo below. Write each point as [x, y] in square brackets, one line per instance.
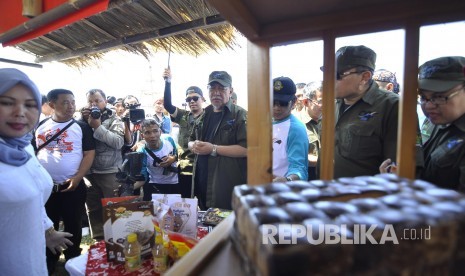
[132, 253]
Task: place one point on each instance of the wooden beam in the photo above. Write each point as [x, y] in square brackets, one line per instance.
[408, 119]
[174, 16]
[210, 21]
[53, 42]
[239, 15]
[21, 63]
[358, 21]
[328, 115]
[259, 129]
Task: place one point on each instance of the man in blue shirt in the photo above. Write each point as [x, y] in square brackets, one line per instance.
[290, 142]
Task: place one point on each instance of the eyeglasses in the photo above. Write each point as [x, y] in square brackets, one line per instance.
[340, 76]
[439, 100]
[217, 88]
[319, 102]
[189, 99]
[281, 103]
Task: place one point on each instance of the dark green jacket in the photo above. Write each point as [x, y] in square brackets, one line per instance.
[445, 156]
[366, 133]
[224, 172]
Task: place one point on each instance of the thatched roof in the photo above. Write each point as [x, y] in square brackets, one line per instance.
[139, 26]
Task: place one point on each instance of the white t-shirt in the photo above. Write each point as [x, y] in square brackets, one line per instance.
[61, 157]
[290, 148]
[155, 174]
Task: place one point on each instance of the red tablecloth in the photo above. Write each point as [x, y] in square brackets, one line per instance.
[97, 264]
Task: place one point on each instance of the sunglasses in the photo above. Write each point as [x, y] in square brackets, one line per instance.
[340, 76]
[280, 103]
[189, 99]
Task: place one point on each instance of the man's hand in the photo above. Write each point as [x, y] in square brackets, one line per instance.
[167, 74]
[202, 148]
[138, 145]
[85, 114]
[94, 123]
[72, 184]
[57, 241]
[167, 161]
[388, 167]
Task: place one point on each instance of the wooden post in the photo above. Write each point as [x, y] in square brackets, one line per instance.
[408, 122]
[32, 8]
[328, 114]
[259, 129]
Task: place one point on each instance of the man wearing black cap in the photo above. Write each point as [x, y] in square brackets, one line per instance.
[366, 116]
[219, 140]
[185, 119]
[290, 142]
[441, 86]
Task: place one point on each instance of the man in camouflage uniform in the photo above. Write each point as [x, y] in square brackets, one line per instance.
[313, 102]
[186, 120]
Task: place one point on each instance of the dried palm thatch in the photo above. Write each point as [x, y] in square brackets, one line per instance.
[139, 26]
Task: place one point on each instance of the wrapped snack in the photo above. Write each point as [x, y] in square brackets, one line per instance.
[213, 216]
[108, 204]
[185, 215]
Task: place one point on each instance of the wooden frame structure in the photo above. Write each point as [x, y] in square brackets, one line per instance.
[267, 23]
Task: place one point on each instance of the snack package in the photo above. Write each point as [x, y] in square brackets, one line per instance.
[213, 216]
[107, 204]
[163, 215]
[185, 215]
[163, 198]
[132, 217]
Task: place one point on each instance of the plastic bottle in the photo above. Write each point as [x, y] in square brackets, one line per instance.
[160, 256]
[132, 253]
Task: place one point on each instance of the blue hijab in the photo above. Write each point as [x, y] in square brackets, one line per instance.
[12, 150]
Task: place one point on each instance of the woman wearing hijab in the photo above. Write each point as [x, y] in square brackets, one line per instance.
[25, 186]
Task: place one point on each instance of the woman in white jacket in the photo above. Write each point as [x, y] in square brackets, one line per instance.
[25, 186]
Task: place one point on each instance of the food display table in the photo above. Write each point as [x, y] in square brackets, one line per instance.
[94, 262]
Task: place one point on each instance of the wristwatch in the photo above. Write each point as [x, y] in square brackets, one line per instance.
[214, 153]
[288, 178]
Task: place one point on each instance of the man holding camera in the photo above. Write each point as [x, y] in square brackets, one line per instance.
[132, 117]
[109, 135]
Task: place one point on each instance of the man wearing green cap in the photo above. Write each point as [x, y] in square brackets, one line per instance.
[441, 86]
[219, 140]
[366, 116]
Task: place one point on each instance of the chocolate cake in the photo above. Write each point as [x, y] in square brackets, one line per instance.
[414, 227]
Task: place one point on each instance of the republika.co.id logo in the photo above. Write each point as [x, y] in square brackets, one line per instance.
[340, 234]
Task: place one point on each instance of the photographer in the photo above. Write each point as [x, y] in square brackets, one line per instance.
[132, 117]
[109, 135]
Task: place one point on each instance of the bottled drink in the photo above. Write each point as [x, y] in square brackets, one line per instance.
[132, 253]
[160, 256]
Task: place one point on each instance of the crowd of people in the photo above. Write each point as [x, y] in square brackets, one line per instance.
[63, 165]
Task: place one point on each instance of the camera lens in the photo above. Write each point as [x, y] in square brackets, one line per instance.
[95, 112]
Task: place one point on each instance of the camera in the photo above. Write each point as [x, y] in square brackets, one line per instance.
[95, 112]
[136, 115]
